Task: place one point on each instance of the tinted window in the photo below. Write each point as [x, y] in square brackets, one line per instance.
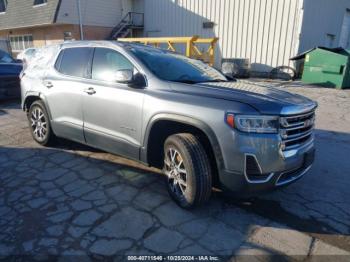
[58, 61]
[75, 62]
[107, 62]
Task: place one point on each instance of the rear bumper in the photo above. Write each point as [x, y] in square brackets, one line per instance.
[240, 185]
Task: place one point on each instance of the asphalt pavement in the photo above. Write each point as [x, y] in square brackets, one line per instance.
[71, 200]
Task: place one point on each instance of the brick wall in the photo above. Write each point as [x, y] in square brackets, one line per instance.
[54, 34]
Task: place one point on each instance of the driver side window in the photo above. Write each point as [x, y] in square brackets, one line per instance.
[106, 62]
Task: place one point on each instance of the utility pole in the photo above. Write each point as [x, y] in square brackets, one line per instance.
[80, 21]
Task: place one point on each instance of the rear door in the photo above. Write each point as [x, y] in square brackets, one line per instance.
[65, 89]
[113, 111]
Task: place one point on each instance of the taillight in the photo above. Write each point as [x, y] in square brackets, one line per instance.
[230, 120]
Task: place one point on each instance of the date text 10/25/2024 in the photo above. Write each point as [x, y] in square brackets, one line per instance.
[173, 258]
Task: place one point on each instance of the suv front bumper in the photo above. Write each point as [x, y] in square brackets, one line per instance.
[297, 165]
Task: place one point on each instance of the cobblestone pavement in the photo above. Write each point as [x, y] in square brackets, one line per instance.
[74, 200]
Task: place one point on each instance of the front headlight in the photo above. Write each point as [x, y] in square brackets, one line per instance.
[256, 124]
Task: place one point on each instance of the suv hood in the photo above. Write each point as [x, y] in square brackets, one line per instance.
[267, 100]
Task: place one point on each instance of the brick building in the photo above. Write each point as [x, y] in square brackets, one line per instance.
[35, 23]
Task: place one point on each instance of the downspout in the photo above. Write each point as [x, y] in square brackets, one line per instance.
[80, 21]
[57, 11]
[297, 33]
[299, 28]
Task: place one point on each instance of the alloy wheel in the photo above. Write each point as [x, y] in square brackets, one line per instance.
[39, 124]
[176, 172]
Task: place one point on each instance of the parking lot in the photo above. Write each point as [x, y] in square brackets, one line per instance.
[75, 200]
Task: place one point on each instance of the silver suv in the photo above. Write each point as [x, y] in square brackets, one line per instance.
[170, 112]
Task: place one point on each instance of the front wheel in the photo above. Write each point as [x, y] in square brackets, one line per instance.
[188, 171]
[39, 124]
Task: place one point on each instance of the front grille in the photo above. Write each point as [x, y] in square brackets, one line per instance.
[296, 130]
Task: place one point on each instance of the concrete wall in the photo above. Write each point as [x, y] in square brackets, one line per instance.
[265, 31]
[106, 13]
[322, 17]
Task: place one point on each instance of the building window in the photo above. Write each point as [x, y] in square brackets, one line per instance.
[21, 42]
[39, 2]
[3, 6]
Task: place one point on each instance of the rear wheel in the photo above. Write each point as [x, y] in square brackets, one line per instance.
[39, 124]
[188, 171]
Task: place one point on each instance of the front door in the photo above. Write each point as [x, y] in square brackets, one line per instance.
[113, 111]
[65, 89]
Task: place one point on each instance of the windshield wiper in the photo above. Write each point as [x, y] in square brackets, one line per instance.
[213, 81]
[192, 82]
[188, 81]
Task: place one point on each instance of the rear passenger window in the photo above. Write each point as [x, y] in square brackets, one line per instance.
[75, 62]
[107, 62]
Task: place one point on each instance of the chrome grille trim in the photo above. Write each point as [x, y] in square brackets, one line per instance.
[300, 116]
[296, 130]
[292, 128]
[287, 121]
[298, 136]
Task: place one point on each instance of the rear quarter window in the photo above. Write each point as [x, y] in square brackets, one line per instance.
[58, 61]
[42, 60]
[75, 62]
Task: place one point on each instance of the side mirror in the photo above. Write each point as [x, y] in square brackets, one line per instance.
[124, 76]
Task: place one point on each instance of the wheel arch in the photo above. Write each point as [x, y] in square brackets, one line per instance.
[162, 126]
[31, 98]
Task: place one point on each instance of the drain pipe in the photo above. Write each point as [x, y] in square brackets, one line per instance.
[80, 21]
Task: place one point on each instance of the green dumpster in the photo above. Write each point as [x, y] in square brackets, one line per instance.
[327, 67]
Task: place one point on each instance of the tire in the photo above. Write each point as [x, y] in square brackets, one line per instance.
[188, 171]
[39, 124]
[286, 73]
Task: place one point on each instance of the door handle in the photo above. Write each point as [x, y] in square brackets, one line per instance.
[90, 91]
[48, 84]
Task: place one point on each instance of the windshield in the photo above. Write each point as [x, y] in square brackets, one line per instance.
[5, 57]
[175, 67]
